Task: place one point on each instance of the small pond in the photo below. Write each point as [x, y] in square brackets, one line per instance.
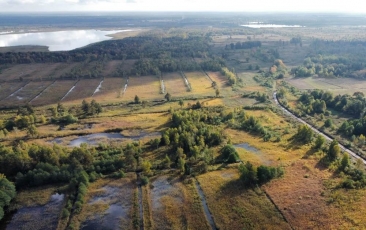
[260, 25]
[35, 217]
[96, 138]
[247, 147]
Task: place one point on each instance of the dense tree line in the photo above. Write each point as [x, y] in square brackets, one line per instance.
[128, 48]
[87, 70]
[317, 101]
[7, 193]
[334, 59]
[251, 175]
[244, 45]
[230, 75]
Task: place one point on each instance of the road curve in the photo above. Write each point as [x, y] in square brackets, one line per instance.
[351, 153]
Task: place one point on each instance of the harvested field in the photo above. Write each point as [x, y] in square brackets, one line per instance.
[201, 84]
[83, 89]
[174, 84]
[26, 71]
[26, 94]
[62, 69]
[145, 87]
[54, 93]
[110, 91]
[36, 71]
[236, 207]
[8, 88]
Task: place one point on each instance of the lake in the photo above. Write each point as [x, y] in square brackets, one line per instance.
[259, 25]
[59, 40]
[96, 138]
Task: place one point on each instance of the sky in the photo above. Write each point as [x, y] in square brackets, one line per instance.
[350, 6]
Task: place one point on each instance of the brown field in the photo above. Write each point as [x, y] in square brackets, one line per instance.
[304, 200]
[236, 207]
[111, 90]
[111, 67]
[200, 83]
[54, 93]
[26, 94]
[174, 84]
[83, 89]
[36, 71]
[26, 71]
[145, 87]
[63, 68]
[8, 88]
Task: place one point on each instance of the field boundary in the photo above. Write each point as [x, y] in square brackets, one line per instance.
[186, 80]
[40, 93]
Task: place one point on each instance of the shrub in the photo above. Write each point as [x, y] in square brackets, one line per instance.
[229, 154]
[144, 180]
[65, 213]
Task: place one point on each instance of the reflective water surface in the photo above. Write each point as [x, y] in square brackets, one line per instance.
[57, 41]
[259, 25]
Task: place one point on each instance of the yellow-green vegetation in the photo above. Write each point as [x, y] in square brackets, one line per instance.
[175, 204]
[236, 207]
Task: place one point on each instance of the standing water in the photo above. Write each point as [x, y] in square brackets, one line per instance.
[36, 217]
[205, 206]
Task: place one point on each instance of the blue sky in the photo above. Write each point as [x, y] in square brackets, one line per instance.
[350, 6]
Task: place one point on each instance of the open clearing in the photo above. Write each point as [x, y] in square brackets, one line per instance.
[54, 93]
[145, 87]
[235, 207]
[8, 88]
[83, 89]
[111, 90]
[174, 84]
[305, 201]
[36, 71]
[26, 94]
[27, 71]
[335, 85]
[201, 84]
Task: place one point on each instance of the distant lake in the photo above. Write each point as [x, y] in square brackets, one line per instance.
[259, 25]
[57, 41]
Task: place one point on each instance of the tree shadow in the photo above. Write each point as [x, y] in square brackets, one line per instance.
[310, 153]
[294, 144]
[234, 188]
